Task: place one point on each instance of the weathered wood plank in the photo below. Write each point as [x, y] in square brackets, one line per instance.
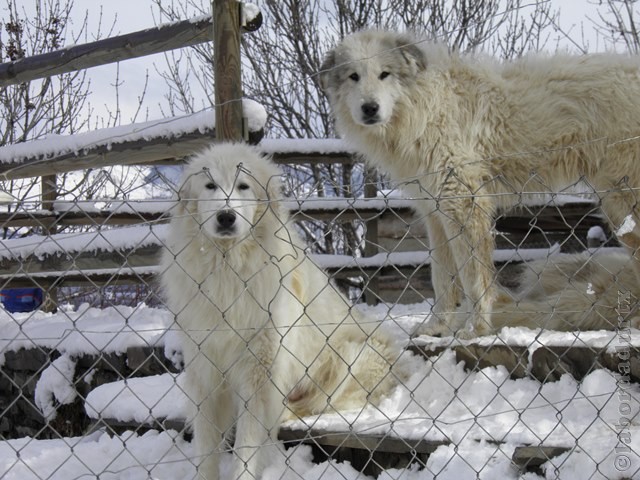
[227, 71]
[383, 443]
[114, 260]
[110, 217]
[126, 153]
[101, 218]
[109, 267]
[531, 458]
[109, 50]
[369, 454]
[344, 158]
[547, 363]
[89, 278]
[477, 357]
[506, 224]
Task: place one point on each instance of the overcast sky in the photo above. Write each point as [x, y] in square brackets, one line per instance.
[133, 15]
[127, 16]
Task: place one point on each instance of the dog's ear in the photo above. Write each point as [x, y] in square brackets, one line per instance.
[184, 197]
[411, 53]
[274, 185]
[327, 69]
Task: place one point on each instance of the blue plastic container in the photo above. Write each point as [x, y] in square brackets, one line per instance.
[21, 299]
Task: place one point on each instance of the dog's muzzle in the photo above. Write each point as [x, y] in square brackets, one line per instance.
[370, 113]
[226, 221]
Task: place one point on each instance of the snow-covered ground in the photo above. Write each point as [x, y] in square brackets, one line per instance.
[484, 414]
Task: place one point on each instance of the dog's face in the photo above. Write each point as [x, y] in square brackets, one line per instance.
[368, 71]
[227, 189]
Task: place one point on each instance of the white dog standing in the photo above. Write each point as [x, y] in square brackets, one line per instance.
[265, 334]
[465, 134]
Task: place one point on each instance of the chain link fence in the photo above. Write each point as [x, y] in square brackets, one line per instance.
[96, 386]
[289, 339]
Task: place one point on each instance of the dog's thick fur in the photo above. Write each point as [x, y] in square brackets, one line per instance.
[266, 336]
[464, 133]
[572, 292]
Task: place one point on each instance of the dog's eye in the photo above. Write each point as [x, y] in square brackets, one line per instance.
[243, 186]
[355, 77]
[211, 186]
[384, 75]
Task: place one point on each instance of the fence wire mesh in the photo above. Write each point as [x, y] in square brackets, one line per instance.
[282, 347]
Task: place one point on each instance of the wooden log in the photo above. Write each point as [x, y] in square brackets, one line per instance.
[384, 443]
[58, 265]
[125, 153]
[477, 357]
[110, 217]
[109, 50]
[227, 73]
[531, 458]
[547, 363]
[369, 454]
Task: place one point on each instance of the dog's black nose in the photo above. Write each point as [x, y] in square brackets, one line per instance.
[226, 219]
[370, 109]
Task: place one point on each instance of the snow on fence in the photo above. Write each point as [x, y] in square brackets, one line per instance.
[98, 390]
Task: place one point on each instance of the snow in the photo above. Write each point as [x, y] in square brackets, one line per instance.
[6, 198]
[533, 339]
[597, 233]
[87, 331]
[129, 456]
[56, 385]
[440, 401]
[627, 226]
[249, 12]
[55, 145]
[64, 244]
[139, 399]
[321, 146]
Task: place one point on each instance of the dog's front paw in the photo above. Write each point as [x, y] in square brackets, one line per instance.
[474, 328]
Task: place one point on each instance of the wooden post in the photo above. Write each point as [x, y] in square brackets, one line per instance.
[371, 241]
[49, 193]
[227, 75]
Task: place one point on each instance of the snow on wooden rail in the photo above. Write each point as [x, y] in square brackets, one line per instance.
[133, 252]
[124, 145]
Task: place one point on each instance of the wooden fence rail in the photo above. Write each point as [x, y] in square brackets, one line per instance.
[114, 49]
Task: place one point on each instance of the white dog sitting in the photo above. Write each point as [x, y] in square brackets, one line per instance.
[266, 335]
